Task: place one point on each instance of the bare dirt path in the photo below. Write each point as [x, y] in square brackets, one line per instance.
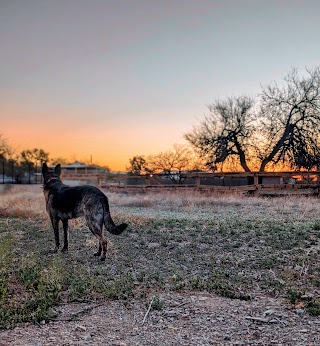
[187, 319]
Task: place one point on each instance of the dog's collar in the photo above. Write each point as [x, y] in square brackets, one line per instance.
[50, 179]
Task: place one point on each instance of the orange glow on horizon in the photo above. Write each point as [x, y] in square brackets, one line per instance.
[76, 148]
[110, 135]
[106, 149]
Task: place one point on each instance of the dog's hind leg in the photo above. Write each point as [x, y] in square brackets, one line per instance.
[98, 253]
[102, 250]
[102, 246]
[94, 218]
[65, 235]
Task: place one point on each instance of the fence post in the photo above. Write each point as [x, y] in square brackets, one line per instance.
[12, 172]
[147, 179]
[198, 182]
[256, 183]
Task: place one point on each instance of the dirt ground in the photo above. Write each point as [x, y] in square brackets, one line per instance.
[195, 318]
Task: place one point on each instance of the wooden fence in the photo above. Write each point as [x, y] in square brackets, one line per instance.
[251, 183]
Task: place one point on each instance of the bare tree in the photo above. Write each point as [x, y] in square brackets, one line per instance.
[291, 120]
[225, 132]
[173, 163]
[284, 129]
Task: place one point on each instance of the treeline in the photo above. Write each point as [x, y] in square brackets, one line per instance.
[21, 167]
[25, 166]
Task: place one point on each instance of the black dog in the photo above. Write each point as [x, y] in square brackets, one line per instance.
[64, 202]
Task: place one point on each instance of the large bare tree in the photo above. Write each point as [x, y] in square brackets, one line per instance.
[226, 131]
[281, 126]
[290, 117]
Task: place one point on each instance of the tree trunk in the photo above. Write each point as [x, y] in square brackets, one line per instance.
[242, 156]
[276, 148]
[243, 162]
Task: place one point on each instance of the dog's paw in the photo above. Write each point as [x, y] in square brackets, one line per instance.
[97, 254]
[102, 259]
[55, 250]
[64, 249]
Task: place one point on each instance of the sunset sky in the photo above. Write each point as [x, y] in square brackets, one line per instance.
[118, 78]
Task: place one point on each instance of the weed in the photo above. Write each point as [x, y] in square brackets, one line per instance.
[177, 280]
[6, 247]
[220, 283]
[197, 283]
[312, 305]
[268, 262]
[120, 288]
[157, 303]
[313, 308]
[294, 296]
[41, 293]
[30, 275]
[316, 226]
[3, 285]
[140, 276]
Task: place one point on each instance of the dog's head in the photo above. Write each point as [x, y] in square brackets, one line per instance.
[50, 174]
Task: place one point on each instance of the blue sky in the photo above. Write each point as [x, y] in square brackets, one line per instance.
[113, 79]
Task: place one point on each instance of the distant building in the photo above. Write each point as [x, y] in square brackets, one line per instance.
[78, 173]
[82, 168]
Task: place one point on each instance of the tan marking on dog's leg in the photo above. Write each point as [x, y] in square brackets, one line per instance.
[103, 246]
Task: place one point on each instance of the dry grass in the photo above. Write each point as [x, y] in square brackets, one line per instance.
[28, 201]
[22, 201]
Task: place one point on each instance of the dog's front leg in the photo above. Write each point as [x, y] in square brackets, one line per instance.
[55, 225]
[66, 235]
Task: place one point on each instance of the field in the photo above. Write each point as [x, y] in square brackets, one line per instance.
[237, 248]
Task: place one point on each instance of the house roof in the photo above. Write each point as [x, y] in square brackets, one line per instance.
[78, 164]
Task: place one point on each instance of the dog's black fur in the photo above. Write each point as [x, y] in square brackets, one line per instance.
[64, 202]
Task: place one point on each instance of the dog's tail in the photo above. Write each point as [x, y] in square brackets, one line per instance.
[110, 225]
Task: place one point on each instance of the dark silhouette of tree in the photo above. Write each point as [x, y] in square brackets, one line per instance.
[225, 132]
[137, 165]
[285, 127]
[290, 121]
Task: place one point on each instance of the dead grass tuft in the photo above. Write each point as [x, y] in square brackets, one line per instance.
[23, 202]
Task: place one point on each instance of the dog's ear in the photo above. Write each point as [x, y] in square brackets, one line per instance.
[44, 169]
[57, 169]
